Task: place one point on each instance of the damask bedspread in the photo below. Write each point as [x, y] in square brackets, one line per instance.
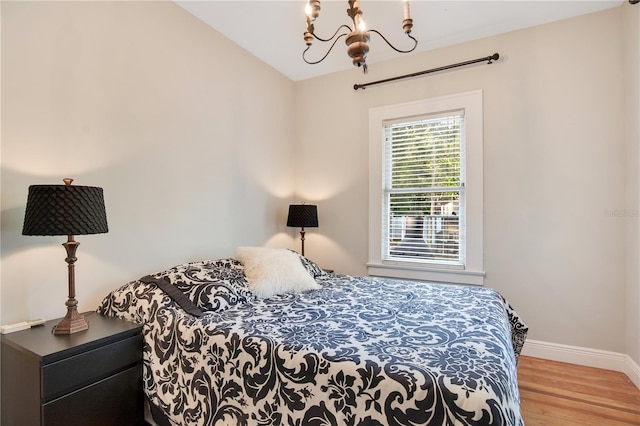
[357, 351]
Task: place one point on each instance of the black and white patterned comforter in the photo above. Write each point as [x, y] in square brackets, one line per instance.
[359, 351]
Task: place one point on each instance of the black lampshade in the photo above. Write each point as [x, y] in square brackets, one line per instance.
[65, 210]
[303, 216]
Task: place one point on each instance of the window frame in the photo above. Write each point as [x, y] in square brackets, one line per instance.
[472, 271]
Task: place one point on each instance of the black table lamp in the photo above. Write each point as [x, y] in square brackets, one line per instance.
[66, 210]
[301, 216]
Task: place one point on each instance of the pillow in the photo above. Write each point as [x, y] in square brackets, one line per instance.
[213, 285]
[311, 266]
[174, 293]
[272, 271]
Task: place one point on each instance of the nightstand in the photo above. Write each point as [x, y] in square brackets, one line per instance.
[93, 377]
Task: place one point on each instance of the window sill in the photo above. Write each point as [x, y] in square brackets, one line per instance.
[455, 276]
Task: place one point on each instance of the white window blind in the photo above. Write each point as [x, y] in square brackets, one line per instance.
[423, 195]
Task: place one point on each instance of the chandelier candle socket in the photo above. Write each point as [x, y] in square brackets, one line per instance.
[66, 210]
[356, 37]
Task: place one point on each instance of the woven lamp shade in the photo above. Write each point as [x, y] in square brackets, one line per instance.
[303, 216]
[65, 210]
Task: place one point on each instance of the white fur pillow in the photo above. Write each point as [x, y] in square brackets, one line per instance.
[272, 271]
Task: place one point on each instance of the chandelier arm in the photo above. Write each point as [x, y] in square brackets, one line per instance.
[415, 42]
[334, 34]
[326, 54]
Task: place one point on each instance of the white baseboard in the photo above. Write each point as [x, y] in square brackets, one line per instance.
[584, 356]
[633, 371]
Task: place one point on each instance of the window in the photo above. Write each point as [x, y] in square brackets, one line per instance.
[423, 189]
[426, 190]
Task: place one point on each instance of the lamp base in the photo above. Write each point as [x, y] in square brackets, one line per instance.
[73, 322]
[302, 239]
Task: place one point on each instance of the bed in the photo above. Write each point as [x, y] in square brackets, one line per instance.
[348, 350]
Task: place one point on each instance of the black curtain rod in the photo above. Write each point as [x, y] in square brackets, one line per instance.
[490, 59]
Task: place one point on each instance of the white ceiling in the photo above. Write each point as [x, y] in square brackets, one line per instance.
[272, 30]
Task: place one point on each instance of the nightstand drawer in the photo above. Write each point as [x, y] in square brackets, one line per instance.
[77, 371]
[108, 402]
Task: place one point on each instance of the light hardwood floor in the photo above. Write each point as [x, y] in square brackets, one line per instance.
[555, 393]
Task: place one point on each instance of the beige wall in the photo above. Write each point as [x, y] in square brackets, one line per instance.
[189, 135]
[197, 145]
[632, 135]
[554, 167]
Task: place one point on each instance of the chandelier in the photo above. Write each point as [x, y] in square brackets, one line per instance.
[357, 38]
